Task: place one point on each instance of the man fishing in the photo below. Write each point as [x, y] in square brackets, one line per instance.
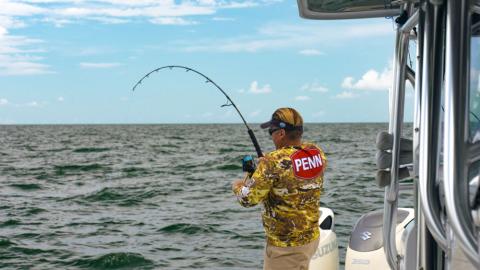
[288, 182]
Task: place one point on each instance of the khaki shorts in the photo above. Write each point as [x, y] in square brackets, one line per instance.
[289, 258]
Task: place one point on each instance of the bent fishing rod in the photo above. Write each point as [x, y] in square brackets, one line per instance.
[208, 80]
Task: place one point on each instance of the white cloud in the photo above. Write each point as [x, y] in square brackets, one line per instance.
[254, 89]
[207, 115]
[81, 10]
[85, 11]
[277, 36]
[9, 23]
[57, 22]
[172, 21]
[15, 14]
[223, 19]
[19, 55]
[99, 65]
[10, 8]
[32, 104]
[302, 98]
[314, 87]
[4, 102]
[346, 95]
[371, 80]
[310, 52]
[19, 65]
[60, 99]
[228, 114]
[109, 20]
[88, 51]
[318, 114]
[255, 113]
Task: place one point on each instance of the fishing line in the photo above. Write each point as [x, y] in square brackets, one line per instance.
[208, 80]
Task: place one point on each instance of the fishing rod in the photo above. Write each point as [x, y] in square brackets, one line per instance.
[208, 80]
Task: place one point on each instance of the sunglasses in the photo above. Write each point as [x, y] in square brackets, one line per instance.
[272, 130]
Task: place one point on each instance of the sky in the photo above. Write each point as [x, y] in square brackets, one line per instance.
[76, 61]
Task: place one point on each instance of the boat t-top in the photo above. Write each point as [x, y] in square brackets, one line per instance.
[440, 163]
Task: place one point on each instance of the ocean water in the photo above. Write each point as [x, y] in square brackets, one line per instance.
[156, 196]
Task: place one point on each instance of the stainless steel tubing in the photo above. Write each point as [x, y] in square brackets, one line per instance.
[430, 122]
[456, 128]
[419, 218]
[390, 207]
[395, 128]
[410, 23]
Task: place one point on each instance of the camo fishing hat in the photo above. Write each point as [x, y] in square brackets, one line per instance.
[285, 118]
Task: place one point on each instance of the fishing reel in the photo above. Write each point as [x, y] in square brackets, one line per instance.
[248, 164]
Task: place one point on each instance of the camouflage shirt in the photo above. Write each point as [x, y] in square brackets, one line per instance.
[288, 181]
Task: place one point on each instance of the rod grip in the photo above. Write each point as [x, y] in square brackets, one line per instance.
[255, 143]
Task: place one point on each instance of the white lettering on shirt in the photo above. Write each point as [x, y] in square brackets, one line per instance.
[298, 163]
[318, 159]
[308, 163]
[305, 164]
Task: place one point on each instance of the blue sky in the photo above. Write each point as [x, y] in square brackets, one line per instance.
[74, 61]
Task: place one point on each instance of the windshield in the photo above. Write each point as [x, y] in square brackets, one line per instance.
[474, 117]
[347, 5]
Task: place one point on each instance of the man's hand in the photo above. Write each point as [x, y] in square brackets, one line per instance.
[236, 184]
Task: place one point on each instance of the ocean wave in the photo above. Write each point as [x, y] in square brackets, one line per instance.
[229, 167]
[128, 196]
[42, 176]
[57, 149]
[189, 229]
[169, 145]
[29, 251]
[73, 168]
[119, 260]
[28, 235]
[135, 171]
[105, 195]
[5, 243]
[10, 222]
[247, 237]
[226, 150]
[175, 138]
[167, 249]
[91, 149]
[26, 186]
[185, 167]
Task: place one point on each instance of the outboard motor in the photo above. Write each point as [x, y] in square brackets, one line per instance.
[365, 248]
[326, 256]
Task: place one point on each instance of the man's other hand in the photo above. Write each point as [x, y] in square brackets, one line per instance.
[237, 184]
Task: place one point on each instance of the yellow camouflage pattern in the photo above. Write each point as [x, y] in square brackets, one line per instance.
[291, 205]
